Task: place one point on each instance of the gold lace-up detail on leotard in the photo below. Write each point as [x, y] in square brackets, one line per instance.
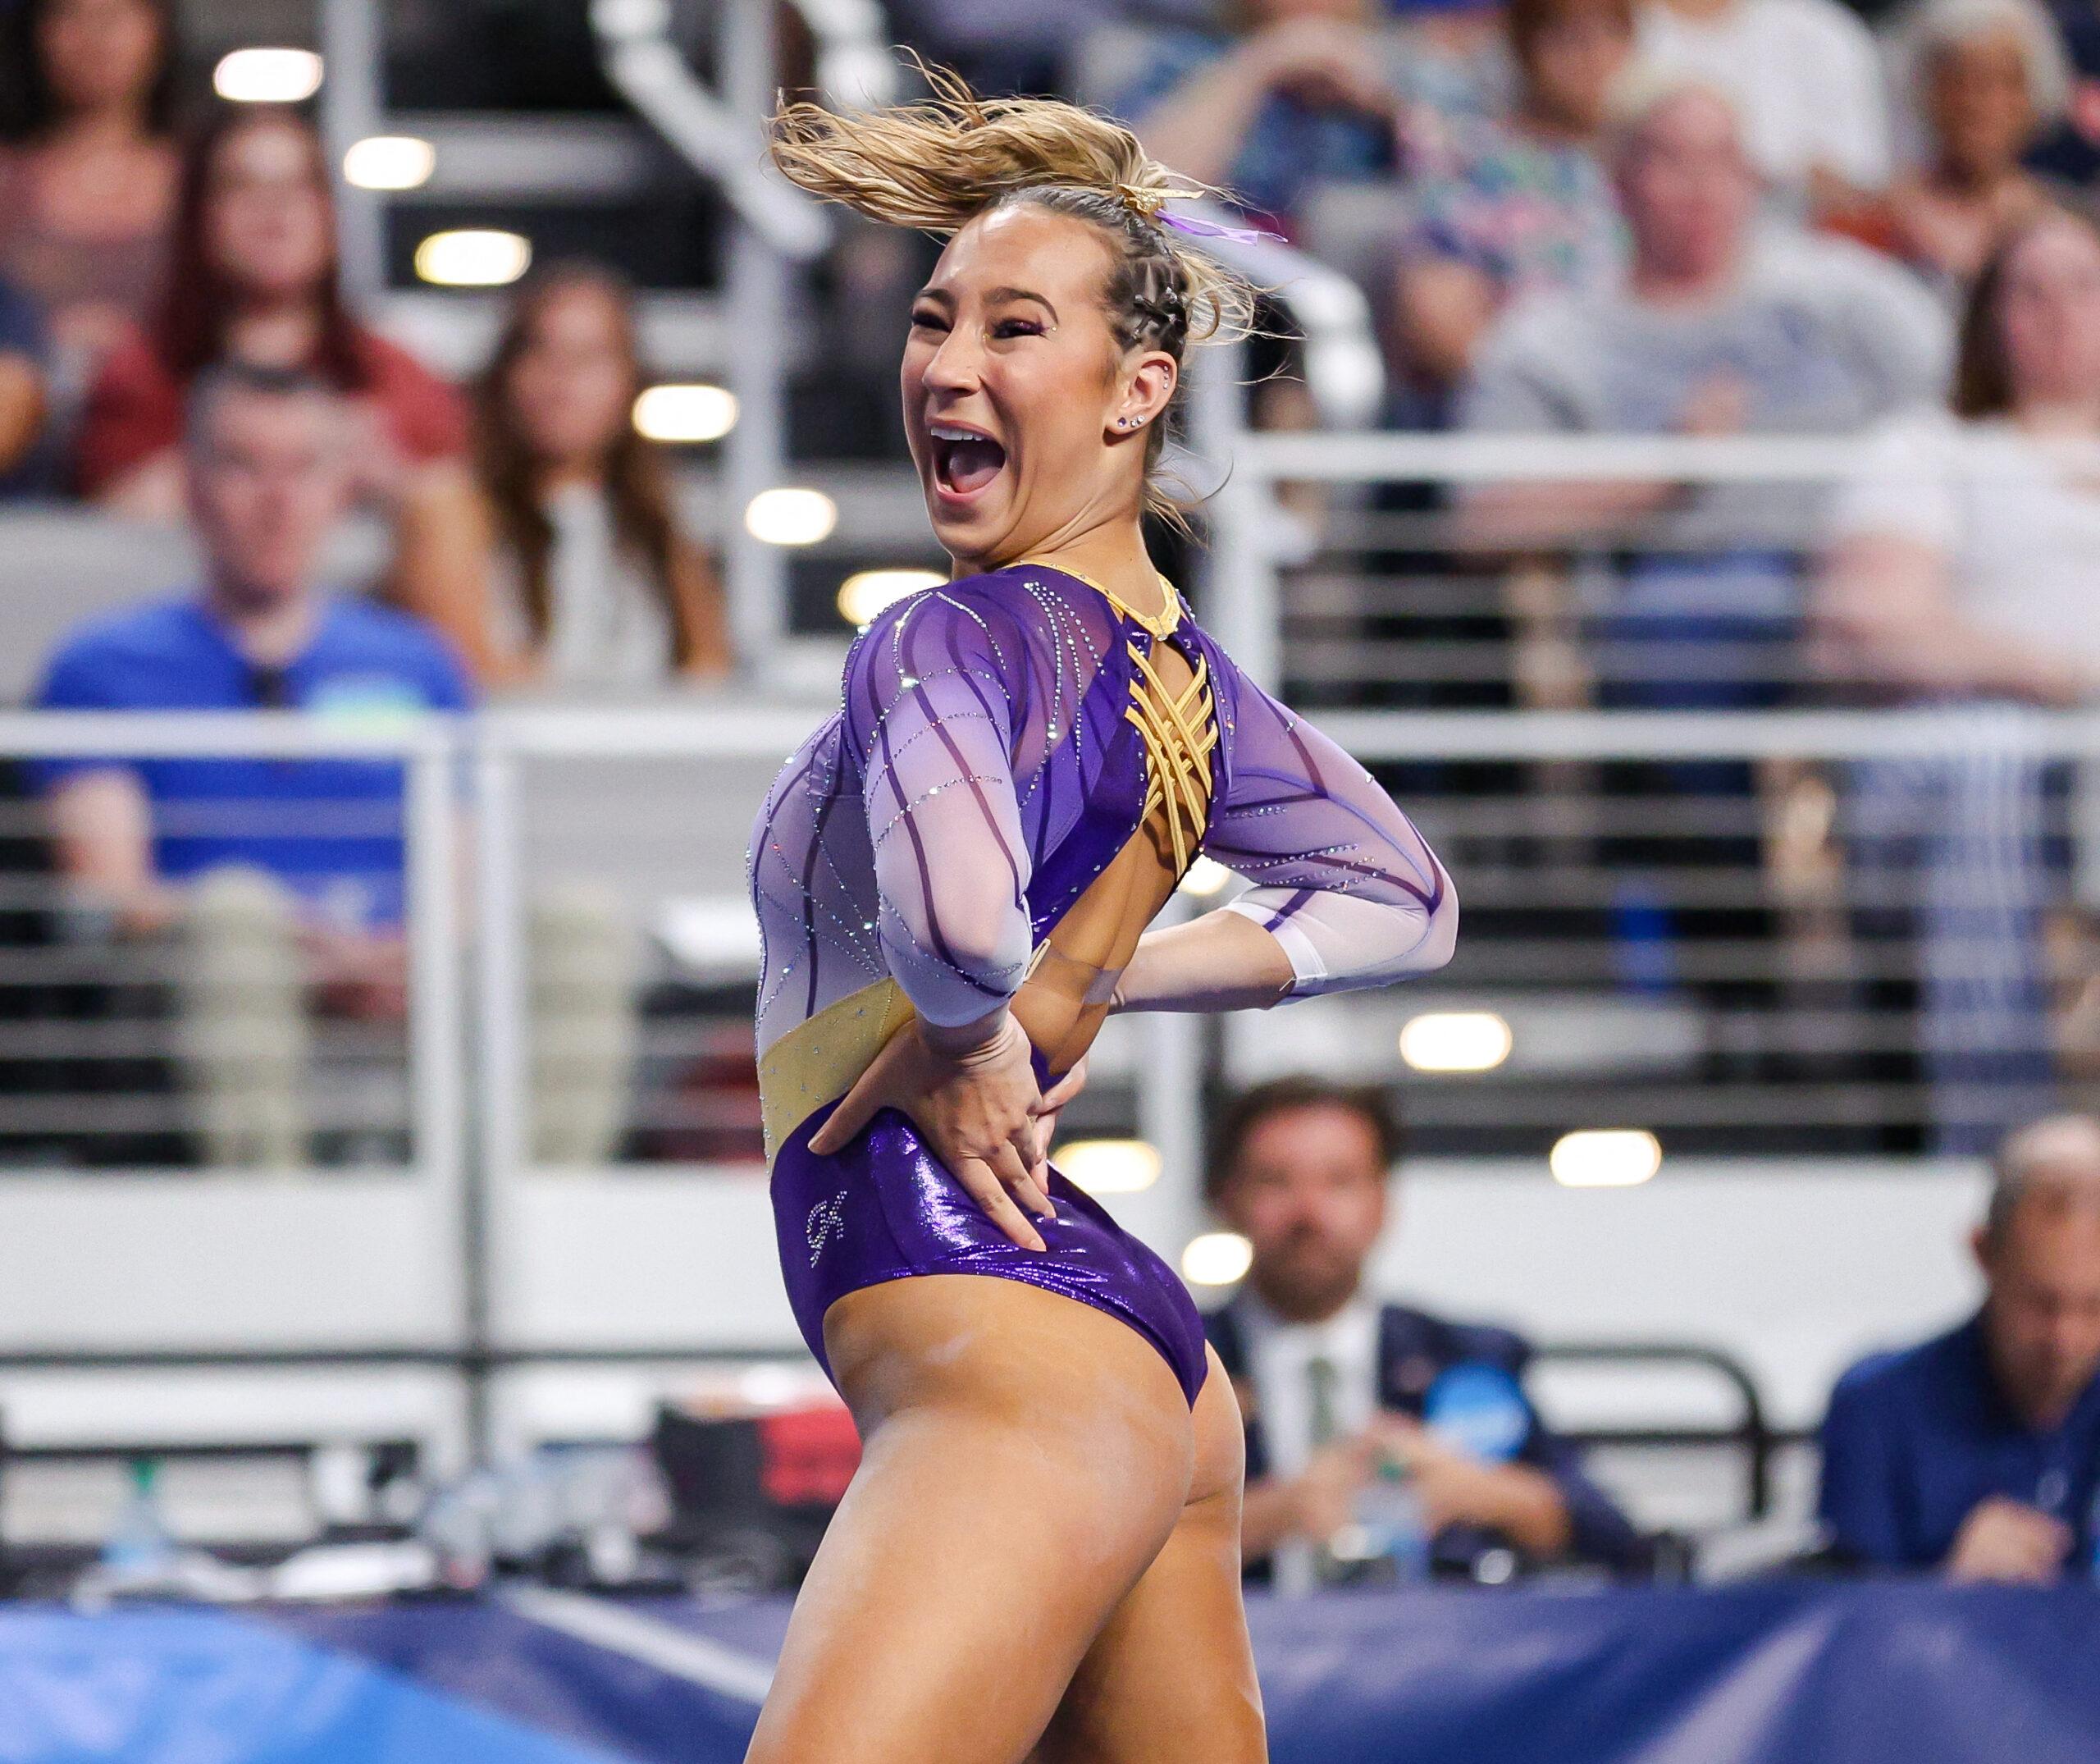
[1178, 734]
[1180, 729]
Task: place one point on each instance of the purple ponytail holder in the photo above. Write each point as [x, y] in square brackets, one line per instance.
[1196, 227]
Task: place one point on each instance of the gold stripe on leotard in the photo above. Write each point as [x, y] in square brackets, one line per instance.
[818, 1060]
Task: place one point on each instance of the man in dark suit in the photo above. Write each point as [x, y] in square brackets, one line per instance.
[1335, 1385]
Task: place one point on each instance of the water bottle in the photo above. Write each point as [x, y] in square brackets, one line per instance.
[1390, 1534]
[139, 1547]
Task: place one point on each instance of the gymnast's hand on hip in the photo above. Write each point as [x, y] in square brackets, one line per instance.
[971, 1093]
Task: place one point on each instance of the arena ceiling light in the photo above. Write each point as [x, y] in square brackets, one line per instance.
[1605, 1158]
[1217, 1259]
[791, 514]
[267, 77]
[473, 257]
[1206, 876]
[685, 414]
[1110, 1167]
[388, 162]
[864, 593]
[1455, 1041]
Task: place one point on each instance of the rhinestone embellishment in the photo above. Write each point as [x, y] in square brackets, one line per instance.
[827, 1219]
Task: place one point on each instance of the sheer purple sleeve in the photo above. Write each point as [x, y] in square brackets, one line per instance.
[928, 707]
[1341, 878]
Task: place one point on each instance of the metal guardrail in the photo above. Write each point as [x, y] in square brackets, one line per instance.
[1752, 1432]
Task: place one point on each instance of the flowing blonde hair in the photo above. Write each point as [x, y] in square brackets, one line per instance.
[938, 164]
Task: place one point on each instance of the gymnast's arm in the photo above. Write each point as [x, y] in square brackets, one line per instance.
[928, 709]
[1346, 892]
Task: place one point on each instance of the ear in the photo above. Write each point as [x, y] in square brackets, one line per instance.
[1149, 383]
[1980, 1246]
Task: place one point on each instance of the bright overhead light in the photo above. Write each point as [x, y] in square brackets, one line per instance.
[1109, 1167]
[1605, 1158]
[473, 257]
[685, 412]
[1455, 1041]
[1217, 1259]
[790, 516]
[866, 592]
[1207, 876]
[388, 162]
[267, 77]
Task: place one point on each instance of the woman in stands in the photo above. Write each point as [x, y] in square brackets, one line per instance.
[1039, 1557]
[88, 180]
[592, 586]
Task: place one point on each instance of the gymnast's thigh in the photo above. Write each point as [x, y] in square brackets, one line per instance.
[1171, 1678]
[1025, 1457]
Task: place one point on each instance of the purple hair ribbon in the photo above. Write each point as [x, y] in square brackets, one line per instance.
[1199, 228]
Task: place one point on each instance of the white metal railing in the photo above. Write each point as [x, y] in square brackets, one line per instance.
[497, 1231]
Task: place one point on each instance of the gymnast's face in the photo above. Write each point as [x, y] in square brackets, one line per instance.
[1014, 384]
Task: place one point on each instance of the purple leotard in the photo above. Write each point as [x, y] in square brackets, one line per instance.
[981, 771]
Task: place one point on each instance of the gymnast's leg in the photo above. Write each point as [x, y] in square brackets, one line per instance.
[1024, 1459]
[1170, 1679]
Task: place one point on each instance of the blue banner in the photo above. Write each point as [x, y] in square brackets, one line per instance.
[1780, 1673]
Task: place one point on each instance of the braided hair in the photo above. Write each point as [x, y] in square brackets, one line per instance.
[936, 164]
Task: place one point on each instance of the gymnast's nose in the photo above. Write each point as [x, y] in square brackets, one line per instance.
[957, 366]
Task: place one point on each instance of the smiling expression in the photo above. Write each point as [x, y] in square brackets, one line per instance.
[1025, 416]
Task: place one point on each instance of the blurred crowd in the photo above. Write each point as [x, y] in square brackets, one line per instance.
[1688, 217]
[529, 523]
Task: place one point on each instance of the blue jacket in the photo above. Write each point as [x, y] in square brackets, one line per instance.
[1414, 1348]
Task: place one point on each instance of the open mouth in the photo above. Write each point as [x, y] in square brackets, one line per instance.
[965, 460]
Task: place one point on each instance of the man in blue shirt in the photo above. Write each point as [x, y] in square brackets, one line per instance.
[299, 860]
[1978, 1452]
[1333, 1382]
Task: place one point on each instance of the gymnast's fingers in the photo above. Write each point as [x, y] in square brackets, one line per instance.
[1012, 1169]
[855, 1110]
[1064, 1090]
[990, 1194]
[1030, 1142]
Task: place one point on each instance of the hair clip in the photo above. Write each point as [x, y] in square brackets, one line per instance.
[1142, 202]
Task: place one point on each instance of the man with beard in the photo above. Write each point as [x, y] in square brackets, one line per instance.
[1335, 1385]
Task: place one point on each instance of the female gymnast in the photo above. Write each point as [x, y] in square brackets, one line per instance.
[1039, 1556]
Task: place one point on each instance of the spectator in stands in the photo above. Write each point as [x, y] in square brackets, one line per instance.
[1988, 75]
[276, 879]
[1960, 574]
[1513, 208]
[592, 585]
[1805, 77]
[1978, 1453]
[23, 383]
[1332, 1382]
[1308, 91]
[88, 179]
[1718, 327]
[253, 279]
